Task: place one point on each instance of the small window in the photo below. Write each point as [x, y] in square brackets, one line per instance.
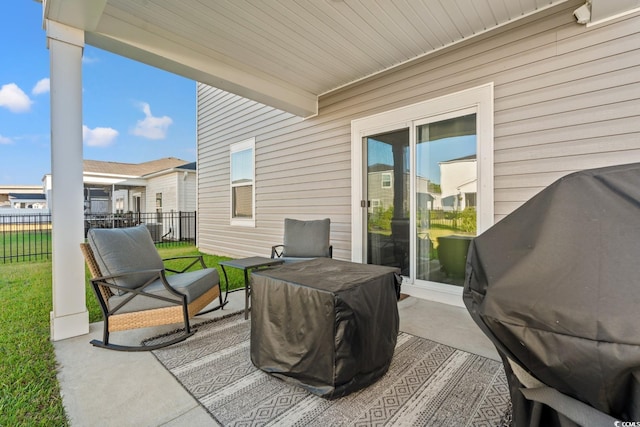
[242, 183]
[386, 180]
[119, 204]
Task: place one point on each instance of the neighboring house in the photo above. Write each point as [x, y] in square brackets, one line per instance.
[22, 197]
[162, 185]
[27, 201]
[381, 190]
[459, 179]
[292, 97]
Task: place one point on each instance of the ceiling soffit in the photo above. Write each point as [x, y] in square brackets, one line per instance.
[283, 53]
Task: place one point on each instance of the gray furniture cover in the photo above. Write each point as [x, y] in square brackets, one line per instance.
[555, 285]
[328, 326]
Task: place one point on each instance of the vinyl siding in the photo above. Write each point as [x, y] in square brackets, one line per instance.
[186, 192]
[168, 186]
[566, 98]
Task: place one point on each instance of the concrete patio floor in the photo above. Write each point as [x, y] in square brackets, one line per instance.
[109, 388]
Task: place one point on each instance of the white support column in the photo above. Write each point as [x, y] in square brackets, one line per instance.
[69, 316]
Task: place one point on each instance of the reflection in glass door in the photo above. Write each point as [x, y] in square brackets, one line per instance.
[446, 193]
[388, 196]
[421, 198]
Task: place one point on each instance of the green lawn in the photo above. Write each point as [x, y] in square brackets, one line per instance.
[29, 391]
[26, 245]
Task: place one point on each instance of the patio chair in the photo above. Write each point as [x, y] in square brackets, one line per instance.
[304, 240]
[134, 290]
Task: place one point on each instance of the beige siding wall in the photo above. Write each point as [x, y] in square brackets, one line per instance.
[186, 184]
[168, 186]
[566, 98]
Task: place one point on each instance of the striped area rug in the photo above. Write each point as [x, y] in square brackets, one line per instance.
[428, 384]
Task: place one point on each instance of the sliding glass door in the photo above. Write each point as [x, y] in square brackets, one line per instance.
[388, 204]
[445, 193]
[422, 186]
[422, 178]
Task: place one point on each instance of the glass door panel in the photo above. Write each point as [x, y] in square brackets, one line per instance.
[446, 187]
[388, 199]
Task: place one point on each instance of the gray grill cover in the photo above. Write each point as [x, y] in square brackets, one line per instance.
[556, 286]
[328, 326]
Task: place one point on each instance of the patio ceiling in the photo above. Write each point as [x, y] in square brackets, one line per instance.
[287, 53]
[283, 53]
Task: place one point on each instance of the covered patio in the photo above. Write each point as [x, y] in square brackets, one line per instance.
[107, 388]
[281, 54]
[306, 61]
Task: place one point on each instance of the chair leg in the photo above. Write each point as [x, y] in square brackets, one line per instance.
[105, 330]
[181, 337]
[185, 312]
[217, 307]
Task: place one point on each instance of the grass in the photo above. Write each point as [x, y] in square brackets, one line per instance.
[25, 245]
[29, 390]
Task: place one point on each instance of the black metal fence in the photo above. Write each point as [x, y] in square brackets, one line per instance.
[27, 237]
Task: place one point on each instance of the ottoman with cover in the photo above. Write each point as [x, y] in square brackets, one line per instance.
[328, 326]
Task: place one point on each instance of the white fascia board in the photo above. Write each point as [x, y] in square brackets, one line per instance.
[81, 14]
[103, 180]
[168, 171]
[20, 189]
[125, 39]
[138, 182]
[605, 10]
[110, 175]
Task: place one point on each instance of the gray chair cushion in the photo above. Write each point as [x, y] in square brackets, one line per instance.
[121, 250]
[306, 239]
[191, 283]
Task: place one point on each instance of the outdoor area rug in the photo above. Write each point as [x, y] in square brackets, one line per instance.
[428, 384]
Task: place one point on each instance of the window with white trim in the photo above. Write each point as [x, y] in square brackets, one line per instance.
[386, 180]
[242, 162]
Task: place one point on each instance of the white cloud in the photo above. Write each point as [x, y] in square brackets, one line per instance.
[14, 99]
[41, 87]
[89, 59]
[152, 127]
[98, 137]
[5, 140]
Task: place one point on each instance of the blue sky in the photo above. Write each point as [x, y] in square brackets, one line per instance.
[132, 112]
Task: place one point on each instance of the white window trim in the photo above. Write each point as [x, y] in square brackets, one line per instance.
[480, 100]
[234, 148]
[382, 180]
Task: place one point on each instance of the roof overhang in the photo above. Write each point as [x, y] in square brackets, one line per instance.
[286, 54]
[168, 171]
[110, 181]
[604, 10]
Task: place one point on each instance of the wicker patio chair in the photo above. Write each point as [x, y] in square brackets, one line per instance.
[304, 240]
[134, 290]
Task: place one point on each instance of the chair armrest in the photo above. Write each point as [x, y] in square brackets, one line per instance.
[124, 274]
[196, 259]
[276, 251]
[104, 281]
